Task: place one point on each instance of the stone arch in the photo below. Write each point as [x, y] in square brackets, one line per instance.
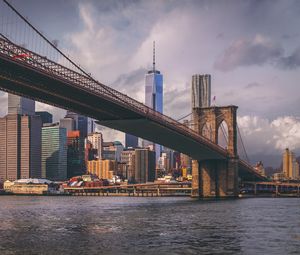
[215, 116]
[223, 134]
[206, 131]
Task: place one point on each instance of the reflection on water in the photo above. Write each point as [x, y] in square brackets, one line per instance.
[112, 225]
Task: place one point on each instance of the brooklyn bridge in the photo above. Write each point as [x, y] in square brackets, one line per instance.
[32, 66]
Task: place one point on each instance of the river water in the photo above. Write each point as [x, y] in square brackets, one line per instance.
[127, 225]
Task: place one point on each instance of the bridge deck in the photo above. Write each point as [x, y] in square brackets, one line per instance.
[46, 81]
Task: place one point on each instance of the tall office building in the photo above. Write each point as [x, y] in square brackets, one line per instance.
[128, 158]
[20, 105]
[45, 116]
[20, 147]
[290, 166]
[96, 139]
[54, 152]
[154, 88]
[103, 168]
[20, 140]
[201, 90]
[144, 165]
[82, 123]
[131, 141]
[154, 96]
[67, 123]
[75, 156]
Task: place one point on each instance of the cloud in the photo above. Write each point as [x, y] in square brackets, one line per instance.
[292, 61]
[57, 113]
[132, 83]
[244, 52]
[252, 85]
[270, 137]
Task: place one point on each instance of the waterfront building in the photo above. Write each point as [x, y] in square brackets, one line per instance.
[29, 186]
[20, 147]
[96, 139]
[144, 165]
[201, 90]
[290, 166]
[46, 117]
[154, 96]
[131, 141]
[75, 155]
[54, 152]
[103, 168]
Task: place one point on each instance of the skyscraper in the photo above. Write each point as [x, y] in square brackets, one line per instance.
[20, 105]
[75, 155]
[131, 141]
[20, 147]
[82, 123]
[96, 139]
[45, 116]
[67, 123]
[154, 87]
[201, 90]
[154, 95]
[144, 165]
[54, 152]
[290, 166]
[20, 140]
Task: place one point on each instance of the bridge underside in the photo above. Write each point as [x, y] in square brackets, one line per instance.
[154, 132]
[40, 86]
[249, 174]
[43, 86]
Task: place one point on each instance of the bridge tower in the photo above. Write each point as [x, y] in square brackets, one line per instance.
[216, 178]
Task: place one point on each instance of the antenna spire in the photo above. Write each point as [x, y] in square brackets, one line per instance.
[153, 56]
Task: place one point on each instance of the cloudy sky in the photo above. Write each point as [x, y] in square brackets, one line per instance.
[251, 49]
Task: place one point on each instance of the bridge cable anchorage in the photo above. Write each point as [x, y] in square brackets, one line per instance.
[239, 133]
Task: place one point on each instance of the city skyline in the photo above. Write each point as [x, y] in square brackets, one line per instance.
[270, 122]
[218, 165]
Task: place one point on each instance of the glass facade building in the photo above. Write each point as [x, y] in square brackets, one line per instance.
[154, 90]
[54, 152]
[154, 97]
[131, 141]
[45, 116]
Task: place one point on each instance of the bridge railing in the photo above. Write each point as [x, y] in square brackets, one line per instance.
[14, 52]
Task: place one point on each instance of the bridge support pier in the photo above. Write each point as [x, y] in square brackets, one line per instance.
[215, 179]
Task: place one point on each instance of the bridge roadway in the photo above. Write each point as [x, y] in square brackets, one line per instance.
[46, 81]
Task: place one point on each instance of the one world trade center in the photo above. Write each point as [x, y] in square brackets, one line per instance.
[154, 96]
